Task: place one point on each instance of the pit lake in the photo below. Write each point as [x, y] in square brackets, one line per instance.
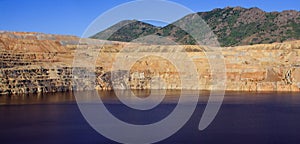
[244, 117]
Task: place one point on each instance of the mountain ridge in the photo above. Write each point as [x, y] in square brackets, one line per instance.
[233, 26]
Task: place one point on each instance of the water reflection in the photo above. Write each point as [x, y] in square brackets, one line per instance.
[42, 98]
[171, 97]
[265, 117]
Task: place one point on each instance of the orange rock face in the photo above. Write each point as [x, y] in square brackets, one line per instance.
[35, 62]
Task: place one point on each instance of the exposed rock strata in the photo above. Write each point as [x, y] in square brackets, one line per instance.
[34, 62]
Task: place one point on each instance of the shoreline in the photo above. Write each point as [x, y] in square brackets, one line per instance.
[171, 97]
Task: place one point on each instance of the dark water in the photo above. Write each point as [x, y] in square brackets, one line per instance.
[243, 118]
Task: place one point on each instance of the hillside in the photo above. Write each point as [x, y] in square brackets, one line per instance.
[127, 30]
[232, 25]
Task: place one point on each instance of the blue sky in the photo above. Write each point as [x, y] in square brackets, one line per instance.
[73, 16]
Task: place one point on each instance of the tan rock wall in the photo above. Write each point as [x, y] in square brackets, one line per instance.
[33, 62]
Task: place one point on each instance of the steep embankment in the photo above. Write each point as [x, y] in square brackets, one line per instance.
[34, 62]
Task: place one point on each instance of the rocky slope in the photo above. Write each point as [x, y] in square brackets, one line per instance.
[232, 25]
[35, 62]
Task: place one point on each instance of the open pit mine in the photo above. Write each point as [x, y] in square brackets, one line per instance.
[36, 63]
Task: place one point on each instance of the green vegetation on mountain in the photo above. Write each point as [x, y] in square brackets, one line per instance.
[232, 26]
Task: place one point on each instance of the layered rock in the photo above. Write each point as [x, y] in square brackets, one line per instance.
[35, 62]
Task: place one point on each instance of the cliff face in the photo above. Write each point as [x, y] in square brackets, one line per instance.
[34, 62]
